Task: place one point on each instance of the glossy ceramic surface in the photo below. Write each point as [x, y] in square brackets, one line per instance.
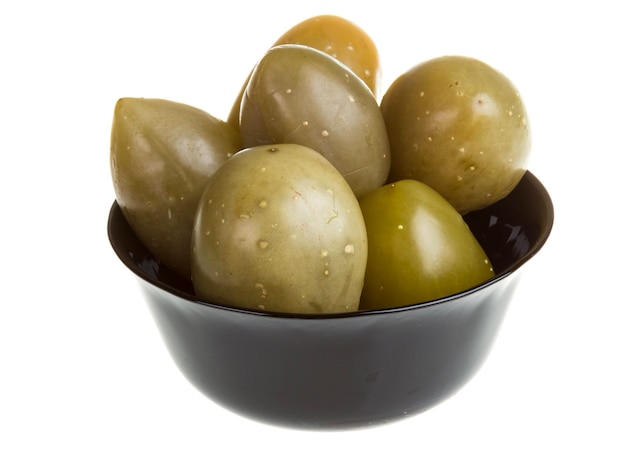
[349, 370]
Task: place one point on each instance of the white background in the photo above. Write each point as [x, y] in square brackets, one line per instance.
[84, 376]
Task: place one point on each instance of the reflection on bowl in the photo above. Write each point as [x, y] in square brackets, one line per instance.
[345, 370]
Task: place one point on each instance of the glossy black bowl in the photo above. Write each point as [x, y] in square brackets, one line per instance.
[348, 370]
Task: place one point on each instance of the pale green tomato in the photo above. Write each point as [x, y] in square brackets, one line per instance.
[279, 229]
[300, 95]
[162, 154]
[459, 126]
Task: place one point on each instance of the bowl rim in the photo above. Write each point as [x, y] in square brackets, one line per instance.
[145, 277]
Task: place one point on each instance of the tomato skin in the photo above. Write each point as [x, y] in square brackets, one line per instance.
[461, 127]
[279, 229]
[300, 95]
[420, 248]
[342, 39]
[162, 154]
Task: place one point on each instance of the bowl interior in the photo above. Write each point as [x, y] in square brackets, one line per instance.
[511, 232]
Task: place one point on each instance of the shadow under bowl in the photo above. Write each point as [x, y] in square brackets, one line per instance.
[344, 370]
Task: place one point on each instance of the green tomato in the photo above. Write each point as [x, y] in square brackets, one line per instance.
[279, 229]
[420, 248]
[300, 95]
[460, 126]
[162, 154]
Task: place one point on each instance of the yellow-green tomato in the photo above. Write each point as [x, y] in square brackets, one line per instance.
[343, 40]
[460, 126]
[162, 154]
[279, 229]
[420, 248]
[300, 95]
[340, 38]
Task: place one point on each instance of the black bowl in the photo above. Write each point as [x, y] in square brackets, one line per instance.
[345, 370]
